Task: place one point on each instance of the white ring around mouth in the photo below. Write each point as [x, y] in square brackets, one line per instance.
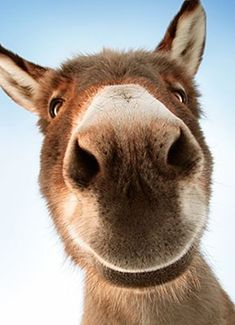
[196, 209]
[84, 246]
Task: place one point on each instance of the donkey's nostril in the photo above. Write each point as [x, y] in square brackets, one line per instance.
[183, 153]
[83, 165]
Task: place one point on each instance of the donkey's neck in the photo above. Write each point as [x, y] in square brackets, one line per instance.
[194, 298]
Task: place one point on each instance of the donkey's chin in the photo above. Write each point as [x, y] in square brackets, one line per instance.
[145, 278]
[139, 278]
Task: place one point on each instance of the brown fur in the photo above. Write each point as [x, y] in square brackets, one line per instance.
[136, 192]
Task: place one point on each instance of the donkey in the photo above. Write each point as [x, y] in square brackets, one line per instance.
[126, 174]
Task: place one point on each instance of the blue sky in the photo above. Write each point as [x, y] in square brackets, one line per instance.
[36, 281]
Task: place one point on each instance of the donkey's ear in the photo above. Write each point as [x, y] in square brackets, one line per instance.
[185, 37]
[19, 78]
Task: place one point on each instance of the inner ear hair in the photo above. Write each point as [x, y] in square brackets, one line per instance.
[184, 40]
[36, 71]
[19, 78]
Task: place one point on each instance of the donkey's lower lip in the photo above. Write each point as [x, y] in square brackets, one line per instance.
[147, 279]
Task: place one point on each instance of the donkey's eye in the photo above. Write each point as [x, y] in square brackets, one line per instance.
[180, 95]
[55, 105]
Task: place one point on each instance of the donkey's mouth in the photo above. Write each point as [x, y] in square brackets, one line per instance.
[146, 279]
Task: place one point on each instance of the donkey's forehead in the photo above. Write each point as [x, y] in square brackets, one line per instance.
[110, 65]
[79, 79]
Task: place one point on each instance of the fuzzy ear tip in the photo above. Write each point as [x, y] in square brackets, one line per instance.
[1, 47]
[190, 5]
[3, 50]
[195, 2]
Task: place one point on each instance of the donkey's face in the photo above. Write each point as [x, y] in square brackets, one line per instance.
[124, 166]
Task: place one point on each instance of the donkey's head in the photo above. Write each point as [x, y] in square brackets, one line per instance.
[124, 166]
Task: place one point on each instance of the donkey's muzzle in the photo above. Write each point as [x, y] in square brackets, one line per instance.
[96, 153]
[127, 132]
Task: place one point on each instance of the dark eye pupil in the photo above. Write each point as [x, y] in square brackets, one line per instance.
[181, 96]
[55, 105]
